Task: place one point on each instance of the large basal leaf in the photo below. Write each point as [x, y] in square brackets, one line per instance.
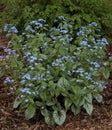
[88, 98]
[30, 112]
[48, 116]
[45, 112]
[75, 109]
[16, 103]
[59, 117]
[49, 120]
[88, 107]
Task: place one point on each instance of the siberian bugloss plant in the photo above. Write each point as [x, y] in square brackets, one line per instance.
[56, 69]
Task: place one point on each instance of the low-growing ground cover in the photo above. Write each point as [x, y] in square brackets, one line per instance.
[66, 79]
[56, 84]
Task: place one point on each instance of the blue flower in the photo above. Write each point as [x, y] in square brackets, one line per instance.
[84, 43]
[25, 90]
[35, 93]
[29, 28]
[13, 29]
[41, 20]
[27, 76]
[104, 41]
[8, 80]
[38, 25]
[22, 81]
[30, 84]
[5, 28]
[93, 24]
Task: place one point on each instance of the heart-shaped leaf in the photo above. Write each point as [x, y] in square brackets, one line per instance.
[59, 117]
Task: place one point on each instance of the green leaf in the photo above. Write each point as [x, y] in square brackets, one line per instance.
[13, 63]
[49, 120]
[1, 73]
[88, 107]
[59, 117]
[75, 109]
[20, 64]
[16, 74]
[78, 90]
[88, 98]
[44, 112]
[43, 95]
[57, 92]
[16, 103]
[67, 103]
[62, 51]
[63, 82]
[72, 48]
[99, 98]
[43, 56]
[79, 101]
[106, 73]
[38, 103]
[30, 112]
[48, 116]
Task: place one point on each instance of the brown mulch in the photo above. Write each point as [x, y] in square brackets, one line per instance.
[101, 118]
[11, 119]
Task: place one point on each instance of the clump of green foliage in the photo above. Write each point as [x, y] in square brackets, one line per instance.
[56, 73]
[78, 12]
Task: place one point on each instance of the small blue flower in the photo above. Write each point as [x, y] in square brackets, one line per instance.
[104, 41]
[93, 24]
[13, 29]
[8, 80]
[41, 20]
[84, 43]
[25, 90]
[22, 81]
[33, 22]
[105, 63]
[35, 93]
[27, 76]
[30, 84]
[5, 28]
[28, 28]
[26, 100]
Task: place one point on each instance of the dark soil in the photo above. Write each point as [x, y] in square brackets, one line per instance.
[101, 118]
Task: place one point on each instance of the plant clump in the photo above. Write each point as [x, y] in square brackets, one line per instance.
[57, 70]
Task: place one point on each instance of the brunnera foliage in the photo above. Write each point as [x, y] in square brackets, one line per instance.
[54, 71]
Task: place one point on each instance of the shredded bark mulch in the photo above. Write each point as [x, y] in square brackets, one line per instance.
[101, 118]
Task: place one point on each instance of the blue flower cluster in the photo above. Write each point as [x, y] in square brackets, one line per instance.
[34, 27]
[29, 91]
[8, 80]
[9, 28]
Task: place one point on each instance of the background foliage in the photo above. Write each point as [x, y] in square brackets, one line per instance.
[78, 12]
